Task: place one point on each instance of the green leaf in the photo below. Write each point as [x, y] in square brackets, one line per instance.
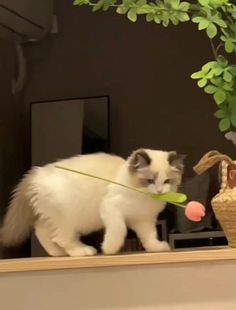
[184, 6]
[211, 31]
[203, 2]
[145, 9]
[170, 197]
[228, 86]
[198, 19]
[220, 113]
[81, 2]
[207, 11]
[229, 46]
[232, 69]
[157, 19]
[149, 17]
[201, 83]
[174, 3]
[227, 76]
[127, 2]
[210, 89]
[234, 14]
[220, 22]
[217, 71]
[183, 17]
[233, 119]
[141, 2]
[224, 124]
[203, 24]
[219, 96]
[232, 103]
[174, 20]
[222, 61]
[132, 14]
[98, 6]
[165, 18]
[232, 108]
[122, 10]
[217, 81]
[208, 66]
[225, 107]
[159, 3]
[197, 75]
[107, 4]
[165, 22]
[209, 75]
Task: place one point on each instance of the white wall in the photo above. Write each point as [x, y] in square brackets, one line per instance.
[195, 286]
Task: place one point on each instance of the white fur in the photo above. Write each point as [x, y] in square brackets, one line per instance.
[67, 205]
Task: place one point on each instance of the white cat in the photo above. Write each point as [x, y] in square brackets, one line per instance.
[61, 206]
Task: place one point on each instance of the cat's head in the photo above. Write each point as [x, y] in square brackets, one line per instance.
[157, 171]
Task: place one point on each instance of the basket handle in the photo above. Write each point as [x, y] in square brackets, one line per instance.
[210, 159]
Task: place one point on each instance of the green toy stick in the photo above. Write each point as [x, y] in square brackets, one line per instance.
[174, 198]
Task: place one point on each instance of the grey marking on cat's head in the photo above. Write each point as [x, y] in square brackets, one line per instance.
[176, 160]
[139, 159]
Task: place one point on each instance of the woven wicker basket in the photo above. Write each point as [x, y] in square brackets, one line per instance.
[224, 203]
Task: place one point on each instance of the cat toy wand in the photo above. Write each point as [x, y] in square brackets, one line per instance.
[194, 210]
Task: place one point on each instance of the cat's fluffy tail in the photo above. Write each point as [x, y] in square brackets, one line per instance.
[18, 220]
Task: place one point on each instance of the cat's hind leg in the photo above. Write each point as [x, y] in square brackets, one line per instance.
[44, 237]
[71, 244]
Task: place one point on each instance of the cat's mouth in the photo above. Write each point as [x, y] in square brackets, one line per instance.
[152, 189]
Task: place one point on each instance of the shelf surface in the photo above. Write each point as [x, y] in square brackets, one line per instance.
[61, 263]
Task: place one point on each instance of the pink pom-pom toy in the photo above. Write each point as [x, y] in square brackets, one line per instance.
[195, 211]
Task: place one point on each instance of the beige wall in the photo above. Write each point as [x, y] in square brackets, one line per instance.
[195, 286]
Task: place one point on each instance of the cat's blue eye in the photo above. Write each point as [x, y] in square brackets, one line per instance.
[150, 181]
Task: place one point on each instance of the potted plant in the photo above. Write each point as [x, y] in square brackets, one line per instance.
[217, 19]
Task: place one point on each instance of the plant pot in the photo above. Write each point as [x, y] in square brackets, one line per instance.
[224, 203]
[224, 206]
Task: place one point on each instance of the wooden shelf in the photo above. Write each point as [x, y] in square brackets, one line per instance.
[56, 263]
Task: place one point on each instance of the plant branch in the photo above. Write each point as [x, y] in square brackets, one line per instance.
[101, 179]
[157, 9]
[218, 48]
[214, 50]
[159, 197]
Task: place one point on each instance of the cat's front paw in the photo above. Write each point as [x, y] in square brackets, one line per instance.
[110, 249]
[82, 251]
[158, 246]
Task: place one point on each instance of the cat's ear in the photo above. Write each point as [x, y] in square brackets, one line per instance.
[176, 160]
[139, 159]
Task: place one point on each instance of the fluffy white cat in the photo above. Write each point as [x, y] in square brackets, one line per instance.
[61, 206]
